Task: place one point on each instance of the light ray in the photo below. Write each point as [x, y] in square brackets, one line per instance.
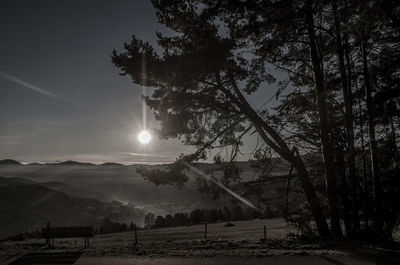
[222, 186]
[32, 87]
[144, 114]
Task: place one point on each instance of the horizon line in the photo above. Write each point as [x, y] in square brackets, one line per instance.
[98, 163]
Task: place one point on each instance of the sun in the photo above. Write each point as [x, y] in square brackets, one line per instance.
[144, 137]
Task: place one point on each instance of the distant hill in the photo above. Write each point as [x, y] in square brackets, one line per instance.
[73, 190]
[73, 163]
[15, 181]
[26, 205]
[112, 164]
[9, 162]
[113, 182]
[58, 186]
[117, 182]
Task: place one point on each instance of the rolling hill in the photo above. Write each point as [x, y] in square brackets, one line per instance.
[77, 187]
[111, 182]
[27, 205]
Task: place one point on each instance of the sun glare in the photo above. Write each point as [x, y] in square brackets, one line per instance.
[144, 137]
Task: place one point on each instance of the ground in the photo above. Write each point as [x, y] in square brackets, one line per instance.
[243, 241]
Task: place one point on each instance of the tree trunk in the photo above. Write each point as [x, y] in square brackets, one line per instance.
[312, 199]
[304, 178]
[365, 172]
[372, 142]
[348, 102]
[280, 147]
[394, 142]
[345, 201]
[324, 125]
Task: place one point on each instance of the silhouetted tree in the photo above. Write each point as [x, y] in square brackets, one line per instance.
[181, 219]
[196, 216]
[197, 94]
[227, 214]
[237, 213]
[106, 226]
[169, 220]
[160, 221]
[221, 216]
[340, 60]
[123, 227]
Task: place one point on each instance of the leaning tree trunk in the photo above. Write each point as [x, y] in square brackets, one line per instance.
[276, 142]
[324, 125]
[305, 181]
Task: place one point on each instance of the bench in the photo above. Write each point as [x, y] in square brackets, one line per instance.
[49, 233]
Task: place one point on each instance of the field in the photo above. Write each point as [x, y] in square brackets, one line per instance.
[243, 239]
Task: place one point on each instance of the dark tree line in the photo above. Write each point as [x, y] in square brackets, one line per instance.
[337, 123]
[107, 226]
[199, 216]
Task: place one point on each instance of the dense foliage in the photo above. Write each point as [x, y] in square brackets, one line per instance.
[339, 98]
[198, 216]
[107, 226]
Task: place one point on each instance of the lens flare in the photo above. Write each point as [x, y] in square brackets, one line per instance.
[144, 137]
[32, 87]
[222, 186]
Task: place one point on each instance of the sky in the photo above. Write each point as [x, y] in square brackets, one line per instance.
[61, 98]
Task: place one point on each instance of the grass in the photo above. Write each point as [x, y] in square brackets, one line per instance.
[243, 239]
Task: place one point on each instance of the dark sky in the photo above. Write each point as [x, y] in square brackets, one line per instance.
[61, 97]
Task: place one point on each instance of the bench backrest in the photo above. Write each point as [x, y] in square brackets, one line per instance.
[63, 232]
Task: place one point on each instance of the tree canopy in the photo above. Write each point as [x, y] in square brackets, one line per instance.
[341, 81]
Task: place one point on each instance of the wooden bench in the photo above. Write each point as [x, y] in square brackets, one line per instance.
[66, 232]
